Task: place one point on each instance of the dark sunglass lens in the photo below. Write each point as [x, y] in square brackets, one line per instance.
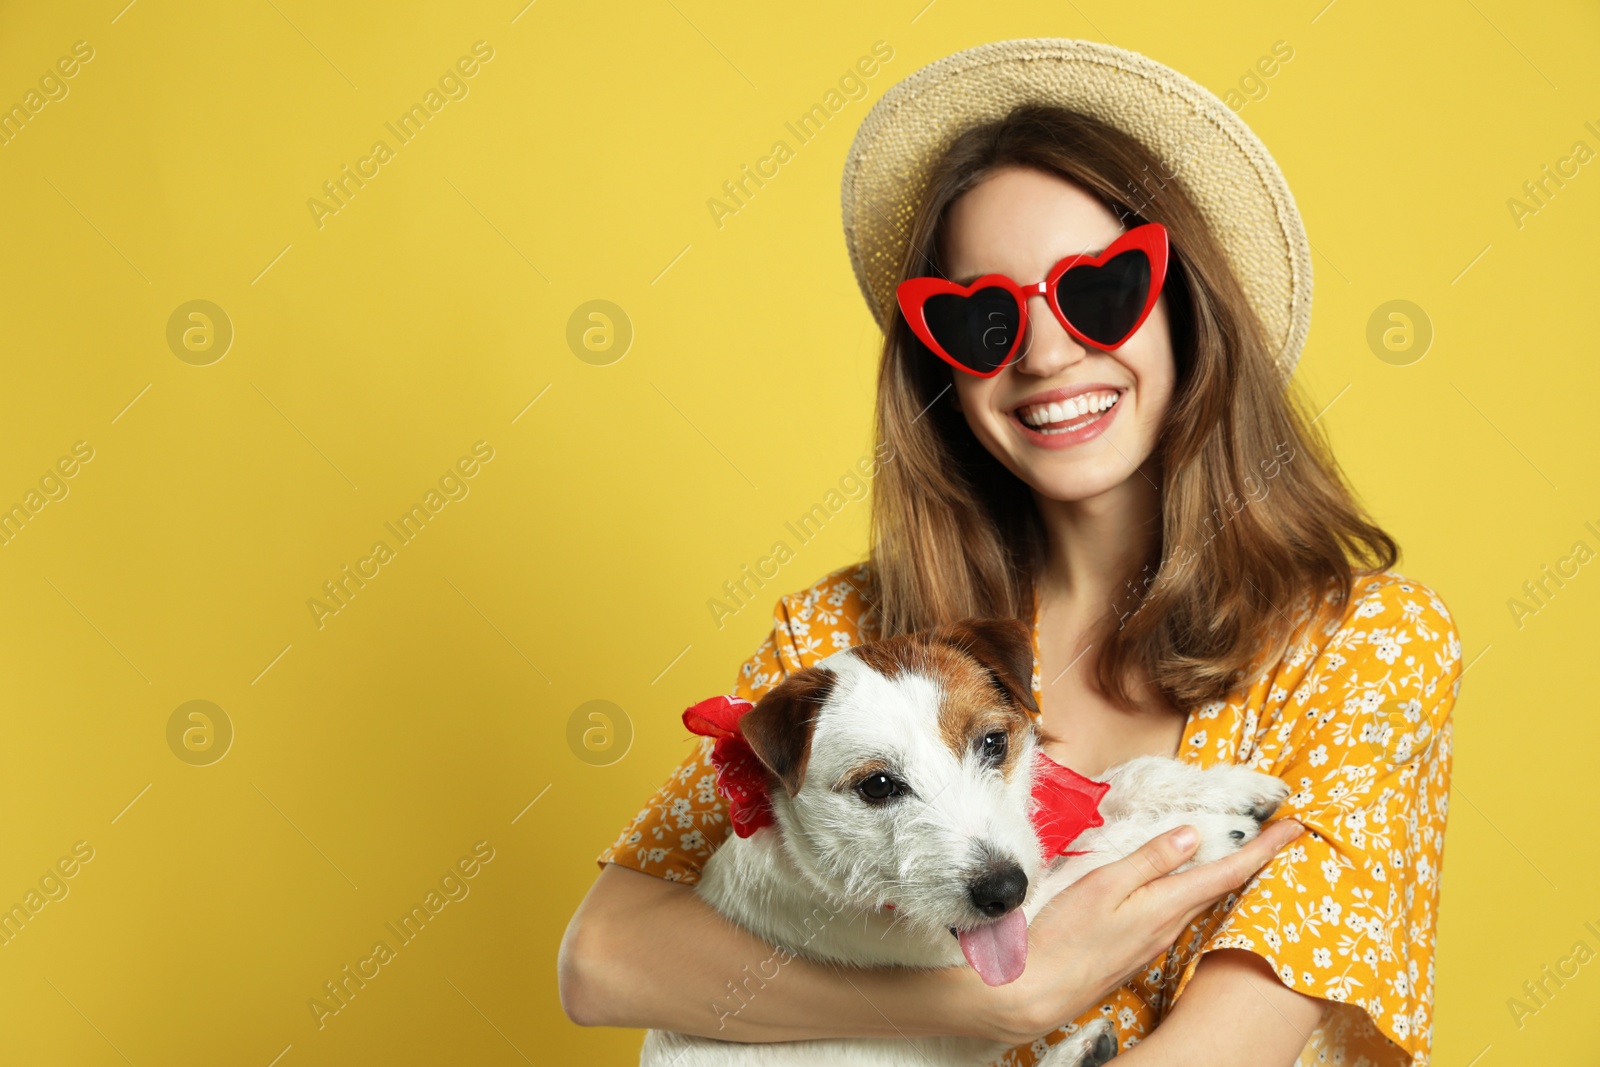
[977, 330]
[1105, 301]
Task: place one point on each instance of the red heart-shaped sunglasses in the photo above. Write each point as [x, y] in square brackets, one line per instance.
[1100, 299]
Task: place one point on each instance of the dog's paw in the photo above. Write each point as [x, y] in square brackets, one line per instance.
[1221, 834]
[1241, 791]
[1147, 784]
[1264, 799]
[1088, 1046]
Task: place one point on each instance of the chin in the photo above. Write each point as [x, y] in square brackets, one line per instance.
[1074, 480]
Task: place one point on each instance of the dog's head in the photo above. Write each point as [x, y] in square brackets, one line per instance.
[903, 773]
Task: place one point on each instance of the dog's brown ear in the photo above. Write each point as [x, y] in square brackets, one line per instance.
[779, 727]
[1004, 647]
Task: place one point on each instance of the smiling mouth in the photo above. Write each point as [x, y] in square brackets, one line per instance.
[1065, 416]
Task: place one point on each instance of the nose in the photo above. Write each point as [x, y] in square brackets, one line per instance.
[1046, 347]
[998, 889]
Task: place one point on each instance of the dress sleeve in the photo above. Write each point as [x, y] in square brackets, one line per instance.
[680, 825]
[1348, 912]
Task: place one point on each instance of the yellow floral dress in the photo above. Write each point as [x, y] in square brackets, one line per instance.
[1355, 717]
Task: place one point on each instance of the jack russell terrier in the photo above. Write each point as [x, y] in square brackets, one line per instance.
[894, 794]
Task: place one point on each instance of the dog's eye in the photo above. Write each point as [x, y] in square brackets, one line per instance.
[993, 747]
[876, 788]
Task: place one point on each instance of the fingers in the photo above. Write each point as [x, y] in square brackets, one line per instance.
[1160, 855]
[1196, 888]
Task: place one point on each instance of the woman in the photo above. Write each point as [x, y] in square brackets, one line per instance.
[1201, 582]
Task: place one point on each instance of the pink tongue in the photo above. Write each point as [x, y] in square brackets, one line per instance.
[998, 951]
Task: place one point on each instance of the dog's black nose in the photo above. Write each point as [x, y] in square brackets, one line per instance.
[999, 889]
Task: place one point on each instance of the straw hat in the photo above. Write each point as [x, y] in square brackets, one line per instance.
[1225, 168]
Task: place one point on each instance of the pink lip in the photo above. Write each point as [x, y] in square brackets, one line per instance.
[1058, 441]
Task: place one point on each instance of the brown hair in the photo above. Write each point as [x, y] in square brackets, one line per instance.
[955, 534]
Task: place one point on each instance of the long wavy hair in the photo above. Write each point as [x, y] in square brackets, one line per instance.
[1257, 520]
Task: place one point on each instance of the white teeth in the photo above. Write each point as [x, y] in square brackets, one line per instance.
[1040, 415]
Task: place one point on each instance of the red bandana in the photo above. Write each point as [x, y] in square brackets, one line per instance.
[741, 778]
[1066, 802]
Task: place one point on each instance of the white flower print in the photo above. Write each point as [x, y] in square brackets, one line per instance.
[1369, 608]
[1388, 647]
[682, 812]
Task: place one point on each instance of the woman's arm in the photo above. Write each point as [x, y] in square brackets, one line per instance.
[644, 952]
[1234, 1013]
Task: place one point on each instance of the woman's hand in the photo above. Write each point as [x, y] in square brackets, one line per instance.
[1108, 925]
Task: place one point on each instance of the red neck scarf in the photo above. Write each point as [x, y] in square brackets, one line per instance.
[1065, 802]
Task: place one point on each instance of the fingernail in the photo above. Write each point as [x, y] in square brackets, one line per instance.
[1183, 837]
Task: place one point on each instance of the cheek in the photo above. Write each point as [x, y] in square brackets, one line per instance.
[969, 393]
[1154, 371]
[975, 397]
[1154, 393]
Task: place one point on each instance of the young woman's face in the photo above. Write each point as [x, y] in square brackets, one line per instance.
[1020, 222]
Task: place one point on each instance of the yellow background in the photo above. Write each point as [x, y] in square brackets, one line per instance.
[372, 352]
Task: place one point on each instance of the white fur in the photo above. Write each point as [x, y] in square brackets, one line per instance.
[818, 884]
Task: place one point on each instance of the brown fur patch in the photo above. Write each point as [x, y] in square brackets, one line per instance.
[972, 707]
[779, 727]
[1004, 647]
[860, 771]
[984, 667]
[888, 657]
